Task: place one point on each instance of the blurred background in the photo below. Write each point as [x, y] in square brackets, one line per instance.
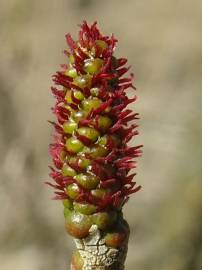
[162, 40]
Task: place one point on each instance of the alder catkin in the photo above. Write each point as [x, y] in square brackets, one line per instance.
[91, 156]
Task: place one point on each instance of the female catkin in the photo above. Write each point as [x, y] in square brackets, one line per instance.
[91, 156]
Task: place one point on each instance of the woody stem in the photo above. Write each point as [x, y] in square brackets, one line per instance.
[94, 254]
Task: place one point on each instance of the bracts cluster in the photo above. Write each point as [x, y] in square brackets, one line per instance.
[91, 156]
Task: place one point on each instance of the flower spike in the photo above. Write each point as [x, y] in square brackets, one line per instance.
[90, 152]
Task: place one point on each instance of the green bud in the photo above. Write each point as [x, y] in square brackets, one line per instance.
[71, 72]
[97, 151]
[104, 123]
[115, 239]
[90, 104]
[104, 139]
[118, 235]
[69, 126]
[90, 133]
[87, 181]
[79, 115]
[100, 192]
[73, 191]
[68, 171]
[78, 95]
[67, 203]
[83, 81]
[74, 145]
[105, 220]
[85, 208]
[82, 162]
[78, 225]
[93, 66]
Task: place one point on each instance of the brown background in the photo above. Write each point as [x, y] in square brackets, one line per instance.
[162, 40]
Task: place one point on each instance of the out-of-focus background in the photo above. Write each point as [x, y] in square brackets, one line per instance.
[162, 40]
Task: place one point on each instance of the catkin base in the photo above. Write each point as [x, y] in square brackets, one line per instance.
[96, 255]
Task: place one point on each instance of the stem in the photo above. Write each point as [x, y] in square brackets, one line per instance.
[93, 253]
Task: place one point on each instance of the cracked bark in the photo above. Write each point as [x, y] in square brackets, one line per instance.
[97, 255]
